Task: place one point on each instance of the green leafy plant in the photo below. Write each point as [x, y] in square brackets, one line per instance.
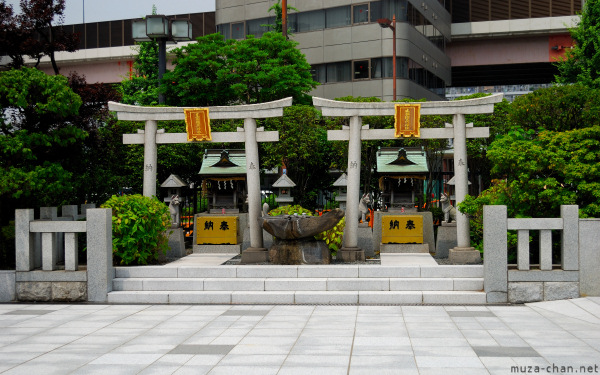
[290, 210]
[140, 226]
[333, 237]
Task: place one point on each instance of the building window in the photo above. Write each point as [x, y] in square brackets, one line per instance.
[225, 30]
[258, 27]
[310, 21]
[360, 13]
[390, 8]
[384, 67]
[237, 30]
[375, 12]
[319, 73]
[339, 72]
[361, 69]
[337, 17]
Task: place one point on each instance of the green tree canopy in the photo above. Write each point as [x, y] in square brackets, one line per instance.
[33, 142]
[303, 149]
[549, 156]
[582, 63]
[254, 70]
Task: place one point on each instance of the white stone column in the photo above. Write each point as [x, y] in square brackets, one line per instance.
[255, 253]
[463, 253]
[150, 158]
[461, 179]
[353, 196]
[350, 250]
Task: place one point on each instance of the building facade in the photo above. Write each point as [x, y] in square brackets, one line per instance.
[507, 46]
[445, 48]
[351, 54]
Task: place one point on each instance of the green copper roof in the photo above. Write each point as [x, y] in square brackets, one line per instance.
[233, 163]
[388, 161]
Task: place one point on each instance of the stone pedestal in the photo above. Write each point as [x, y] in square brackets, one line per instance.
[254, 255]
[365, 240]
[351, 254]
[176, 244]
[307, 251]
[464, 255]
[446, 239]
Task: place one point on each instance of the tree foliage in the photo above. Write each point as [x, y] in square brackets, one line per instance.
[141, 88]
[32, 144]
[582, 63]
[303, 149]
[278, 9]
[33, 32]
[254, 70]
[548, 156]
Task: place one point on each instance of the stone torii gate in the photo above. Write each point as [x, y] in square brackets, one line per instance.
[249, 135]
[356, 133]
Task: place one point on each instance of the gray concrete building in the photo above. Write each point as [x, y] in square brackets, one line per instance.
[349, 52]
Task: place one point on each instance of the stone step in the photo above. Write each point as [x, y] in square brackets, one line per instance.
[303, 271]
[298, 284]
[298, 297]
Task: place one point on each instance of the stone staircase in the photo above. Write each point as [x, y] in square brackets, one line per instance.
[307, 284]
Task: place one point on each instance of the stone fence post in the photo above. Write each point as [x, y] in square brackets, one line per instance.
[495, 268]
[100, 270]
[24, 240]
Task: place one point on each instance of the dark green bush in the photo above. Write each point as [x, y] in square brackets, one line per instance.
[140, 228]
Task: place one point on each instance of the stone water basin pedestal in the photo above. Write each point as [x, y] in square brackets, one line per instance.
[294, 241]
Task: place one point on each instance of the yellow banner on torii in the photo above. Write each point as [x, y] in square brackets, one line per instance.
[197, 124]
[407, 120]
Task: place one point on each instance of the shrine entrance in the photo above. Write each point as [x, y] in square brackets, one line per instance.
[250, 135]
[355, 133]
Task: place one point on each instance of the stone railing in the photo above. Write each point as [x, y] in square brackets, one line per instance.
[547, 281]
[50, 240]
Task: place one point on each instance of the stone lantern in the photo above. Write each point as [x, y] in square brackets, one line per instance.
[342, 188]
[284, 184]
[173, 185]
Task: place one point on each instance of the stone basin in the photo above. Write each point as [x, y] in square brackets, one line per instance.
[294, 241]
[293, 227]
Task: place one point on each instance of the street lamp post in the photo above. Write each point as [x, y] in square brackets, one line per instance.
[386, 23]
[159, 28]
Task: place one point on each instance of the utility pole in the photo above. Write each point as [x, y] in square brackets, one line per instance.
[284, 18]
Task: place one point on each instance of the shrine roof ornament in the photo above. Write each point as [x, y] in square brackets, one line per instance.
[402, 159]
[223, 163]
[394, 160]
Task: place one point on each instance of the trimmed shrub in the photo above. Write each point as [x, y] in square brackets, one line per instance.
[140, 228]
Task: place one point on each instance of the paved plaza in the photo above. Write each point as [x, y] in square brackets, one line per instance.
[545, 337]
